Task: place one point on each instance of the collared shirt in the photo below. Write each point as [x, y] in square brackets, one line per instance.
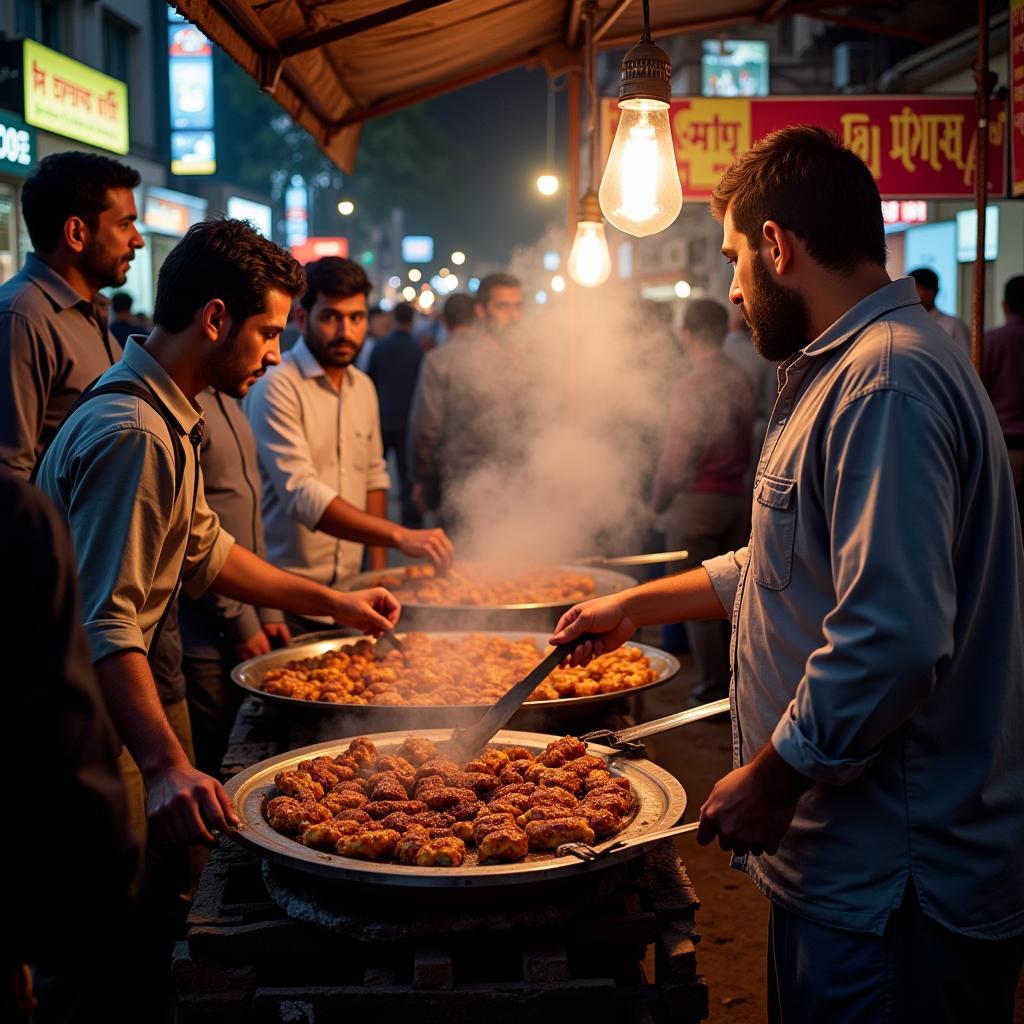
[1002, 370]
[315, 443]
[878, 629]
[111, 472]
[231, 482]
[53, 345]
[954, 327]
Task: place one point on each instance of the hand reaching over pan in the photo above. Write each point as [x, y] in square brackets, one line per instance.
[374, 611]
[431, 544]
[603, 615]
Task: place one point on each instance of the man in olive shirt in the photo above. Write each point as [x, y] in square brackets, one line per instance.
[54, 339]
[123, 469]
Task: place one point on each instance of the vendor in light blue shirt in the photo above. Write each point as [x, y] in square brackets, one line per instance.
[877, 622]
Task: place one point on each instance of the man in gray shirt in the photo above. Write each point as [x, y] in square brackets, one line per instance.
[54, 339]
[124, 471]
[877, 622]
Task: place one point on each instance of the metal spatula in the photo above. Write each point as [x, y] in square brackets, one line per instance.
[468, 742]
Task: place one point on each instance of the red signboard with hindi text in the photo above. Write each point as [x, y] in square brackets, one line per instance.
[917, 147]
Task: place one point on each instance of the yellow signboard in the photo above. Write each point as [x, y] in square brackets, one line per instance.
[71, 99]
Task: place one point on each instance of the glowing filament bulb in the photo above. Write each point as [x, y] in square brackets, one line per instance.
[589, 261]
[640, 192]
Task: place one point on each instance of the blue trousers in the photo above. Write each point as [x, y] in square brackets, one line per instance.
[916, 973]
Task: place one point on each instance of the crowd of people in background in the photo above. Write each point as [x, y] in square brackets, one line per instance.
[240, 456]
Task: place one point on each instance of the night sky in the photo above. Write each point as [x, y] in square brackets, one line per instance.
[493, 204]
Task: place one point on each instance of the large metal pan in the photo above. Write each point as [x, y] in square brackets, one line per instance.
[659, 803]
[503, 616]
[249, 675]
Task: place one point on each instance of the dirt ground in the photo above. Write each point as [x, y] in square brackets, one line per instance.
[733, 918]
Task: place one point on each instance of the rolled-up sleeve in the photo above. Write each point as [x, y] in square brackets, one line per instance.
[208, 547]
[27, 366]
[891, 495]
[275, 414]
[724, 572]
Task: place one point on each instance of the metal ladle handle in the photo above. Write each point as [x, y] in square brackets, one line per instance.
[624, 740]
[586, 852]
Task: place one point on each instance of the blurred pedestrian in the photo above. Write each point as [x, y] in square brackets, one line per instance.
[55, 338]
[699, 483]
[927, 283]
[316, 421]
[59, 734]
[394, 368]
[468, 410]
[122, 323]
[1002, 372]
[380, 323]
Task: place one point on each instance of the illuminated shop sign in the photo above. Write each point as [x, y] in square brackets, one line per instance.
[190, 72]
[17, 145]
[70, 99]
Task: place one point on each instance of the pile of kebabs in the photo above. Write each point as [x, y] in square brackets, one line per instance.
[415, 807]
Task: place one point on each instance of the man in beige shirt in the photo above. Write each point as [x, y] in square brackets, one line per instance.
[317, 426]
[123, 470]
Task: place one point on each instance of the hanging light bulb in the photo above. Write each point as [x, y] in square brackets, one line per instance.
[589, 262]
[640, 191]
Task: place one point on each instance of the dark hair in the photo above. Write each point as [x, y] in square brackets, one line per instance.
[459, 311]
[67, 185]
[121, 302]
[806, 180]
[708, 319]
[1013, 295]
[222, 259]
[404, 314]
[336, 278]
[492, 281]
[375, 310]
[926, 278]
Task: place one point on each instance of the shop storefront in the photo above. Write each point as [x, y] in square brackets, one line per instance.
[17, 158]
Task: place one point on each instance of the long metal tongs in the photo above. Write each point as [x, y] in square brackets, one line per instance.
[655, 558]
[587, 852]
[624, 740]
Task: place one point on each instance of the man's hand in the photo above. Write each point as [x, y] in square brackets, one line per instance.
[603, 615]
[257, 644]
[751, 808]
[374, 611]
[432, 544]
[183, 805]
[278, 634]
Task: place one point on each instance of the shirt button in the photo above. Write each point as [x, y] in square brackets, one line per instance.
[781, 421]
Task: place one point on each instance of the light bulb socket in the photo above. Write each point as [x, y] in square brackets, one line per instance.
[590, 207]
[646, 73]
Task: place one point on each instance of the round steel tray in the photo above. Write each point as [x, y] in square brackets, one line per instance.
[660, 802]
[249, 675]
[497, 616]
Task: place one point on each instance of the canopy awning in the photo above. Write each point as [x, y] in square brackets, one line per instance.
[332, 64]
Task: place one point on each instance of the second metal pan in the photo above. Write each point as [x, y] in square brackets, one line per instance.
[249, 675]
[477, 617]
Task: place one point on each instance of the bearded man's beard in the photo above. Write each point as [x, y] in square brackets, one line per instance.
[779, 319]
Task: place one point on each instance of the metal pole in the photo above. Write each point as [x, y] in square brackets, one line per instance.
[573, 138]
[984, 81]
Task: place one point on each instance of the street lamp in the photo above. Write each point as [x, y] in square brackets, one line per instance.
[547, 184]
[346, 207]
[414, 275]
[458, 257]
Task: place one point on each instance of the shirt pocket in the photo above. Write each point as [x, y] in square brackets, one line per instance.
[773, 531]
[362, 443]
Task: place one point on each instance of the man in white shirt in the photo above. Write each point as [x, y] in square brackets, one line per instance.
[317, 427]
[927, 283]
